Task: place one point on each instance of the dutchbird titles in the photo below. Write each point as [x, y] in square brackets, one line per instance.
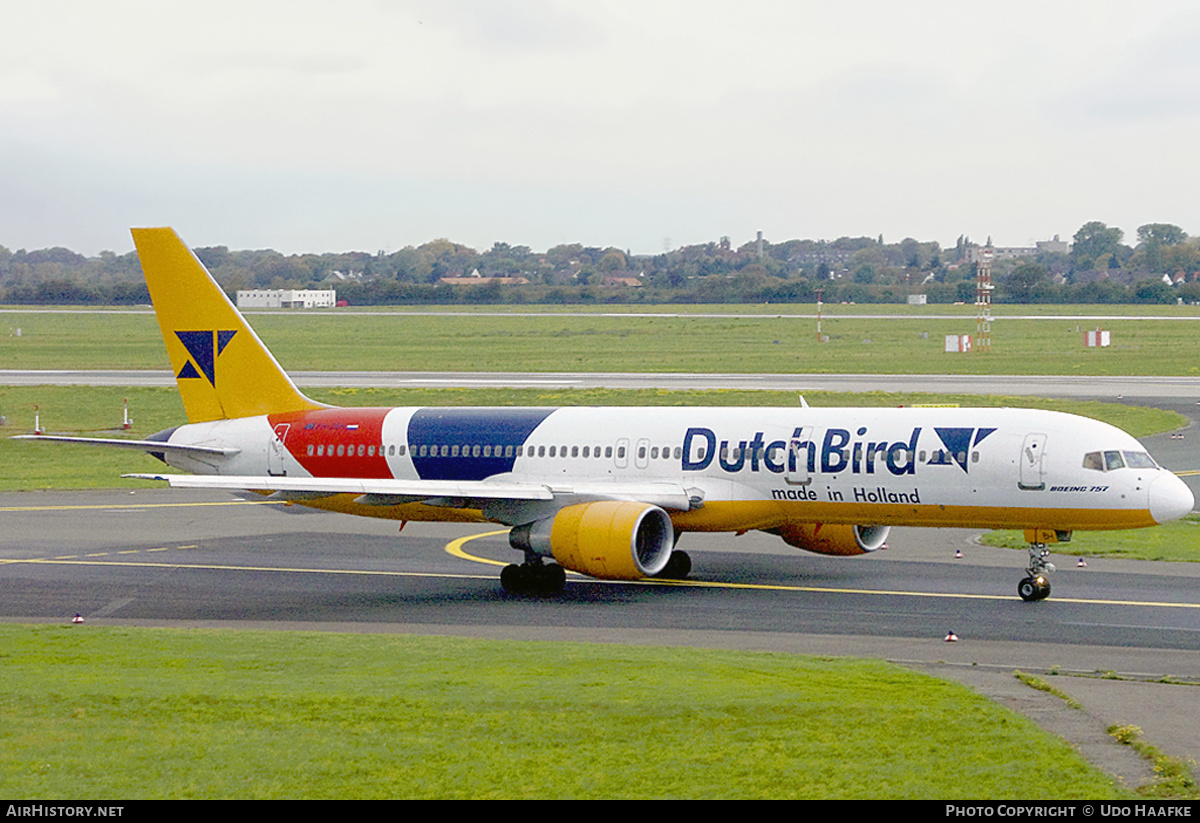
[830, 452]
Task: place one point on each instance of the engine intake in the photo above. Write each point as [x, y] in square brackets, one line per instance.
[608, 539]
[830, 538]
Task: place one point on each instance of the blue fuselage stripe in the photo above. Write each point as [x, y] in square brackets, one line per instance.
[450, 444]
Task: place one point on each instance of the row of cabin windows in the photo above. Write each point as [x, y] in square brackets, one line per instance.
[1109, 461]
[446, 450]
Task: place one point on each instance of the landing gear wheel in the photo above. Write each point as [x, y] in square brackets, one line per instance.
[1035, 585]
[512, 578]
[678, 567]
[554, 578]
[530, 578]
[1033, 588]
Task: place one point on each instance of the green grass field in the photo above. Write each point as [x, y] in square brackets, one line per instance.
[99, 713]
[585, 341]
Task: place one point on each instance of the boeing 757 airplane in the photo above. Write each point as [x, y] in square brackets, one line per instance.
[609, 492]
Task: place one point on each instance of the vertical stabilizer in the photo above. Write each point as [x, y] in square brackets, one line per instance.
[223, 370]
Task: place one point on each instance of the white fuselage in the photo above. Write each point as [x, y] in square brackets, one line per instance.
[742, 468]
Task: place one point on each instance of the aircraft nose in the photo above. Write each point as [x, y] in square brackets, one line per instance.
[1170, 498]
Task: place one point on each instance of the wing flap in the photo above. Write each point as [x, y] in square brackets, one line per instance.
[387, 492]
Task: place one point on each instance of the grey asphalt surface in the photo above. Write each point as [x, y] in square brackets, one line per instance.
[177, 558]
[1097, 388]
[1165, 711]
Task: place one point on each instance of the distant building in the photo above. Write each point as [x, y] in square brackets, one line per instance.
[617, 280]
[1055, 246]
[286, 298]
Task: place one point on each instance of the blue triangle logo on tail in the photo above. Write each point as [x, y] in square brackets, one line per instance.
[204, 347]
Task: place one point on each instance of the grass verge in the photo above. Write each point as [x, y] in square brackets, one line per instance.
[1175, 778]
[1178, 540]
[674, 340]
[103, 712]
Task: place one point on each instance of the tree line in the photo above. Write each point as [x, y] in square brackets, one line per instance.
[1160, 267]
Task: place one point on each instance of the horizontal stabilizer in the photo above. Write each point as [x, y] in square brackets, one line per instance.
[151, 446]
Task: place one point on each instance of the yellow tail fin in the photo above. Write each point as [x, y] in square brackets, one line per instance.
[223, 370]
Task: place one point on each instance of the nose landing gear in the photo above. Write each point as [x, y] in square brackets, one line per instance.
[1036, 585]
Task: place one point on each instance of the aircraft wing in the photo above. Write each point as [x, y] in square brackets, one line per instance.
[384, 491]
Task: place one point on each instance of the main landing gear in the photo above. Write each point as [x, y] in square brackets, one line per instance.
[533, 577]
[678, 567]
[1036, 586]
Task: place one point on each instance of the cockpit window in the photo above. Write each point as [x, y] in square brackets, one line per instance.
[1113, 460]
[1139, 460]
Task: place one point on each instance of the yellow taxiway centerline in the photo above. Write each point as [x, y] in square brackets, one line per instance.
[455, 549]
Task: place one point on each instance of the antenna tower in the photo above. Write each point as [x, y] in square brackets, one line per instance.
[983, 300]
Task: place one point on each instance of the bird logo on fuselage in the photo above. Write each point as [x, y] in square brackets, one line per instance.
[958, 441]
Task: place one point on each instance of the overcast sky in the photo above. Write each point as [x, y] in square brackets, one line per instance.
[370, 124]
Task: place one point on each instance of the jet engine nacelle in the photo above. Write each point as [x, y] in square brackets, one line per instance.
[609, 539]
[829, 538]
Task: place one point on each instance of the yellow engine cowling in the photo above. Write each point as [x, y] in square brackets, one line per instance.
[609, 539]
[829, 538]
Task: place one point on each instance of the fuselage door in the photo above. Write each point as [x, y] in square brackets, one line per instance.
[621, 456]
[641, 453]
[275, 452]
[1032, 462]
[801, 451]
